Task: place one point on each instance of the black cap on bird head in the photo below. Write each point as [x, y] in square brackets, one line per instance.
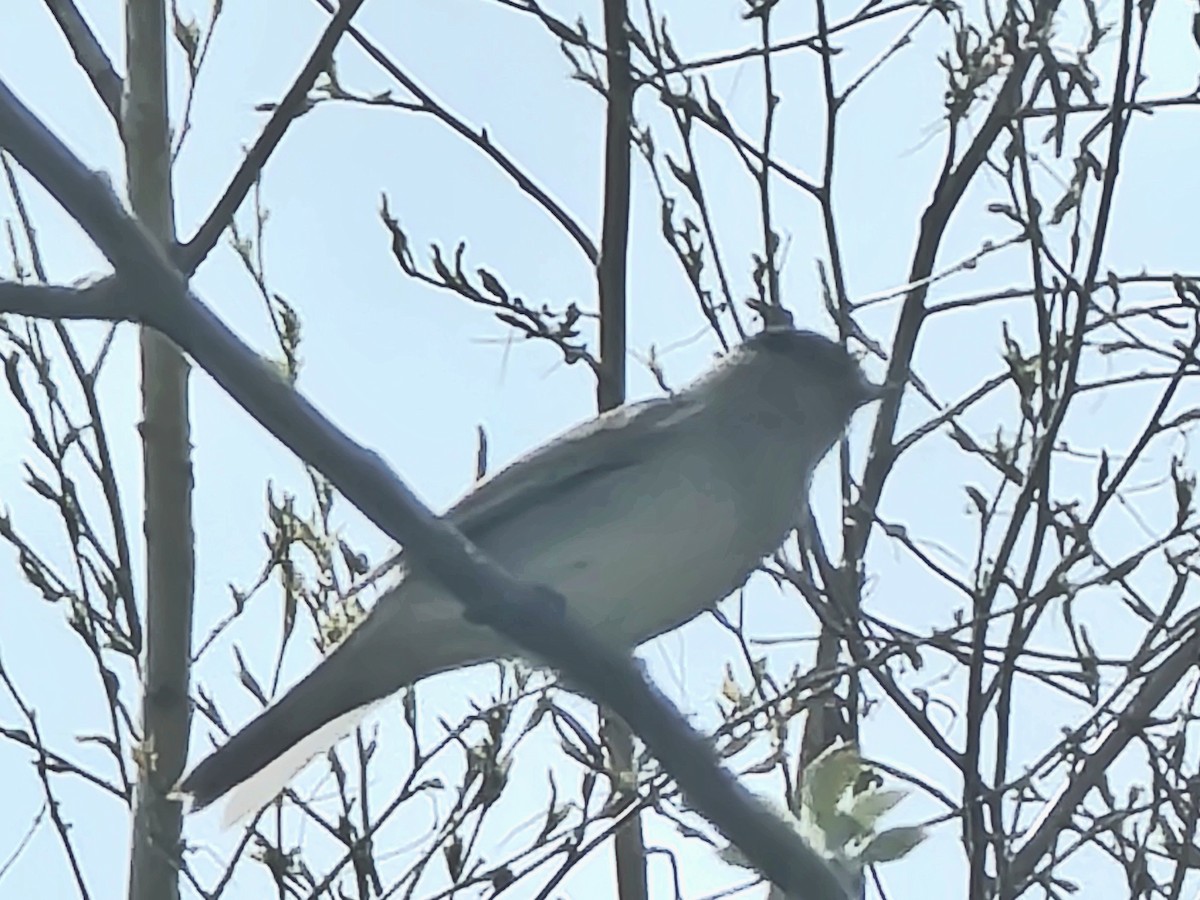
[817, 358]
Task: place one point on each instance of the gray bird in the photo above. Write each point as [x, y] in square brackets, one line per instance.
[641, 518]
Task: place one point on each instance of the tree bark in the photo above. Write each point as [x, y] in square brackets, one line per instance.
[629, 844]
[167, 481]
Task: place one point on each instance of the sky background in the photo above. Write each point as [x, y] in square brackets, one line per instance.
[412, 372]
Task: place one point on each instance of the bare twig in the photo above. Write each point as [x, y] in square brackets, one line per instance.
[90, 55]
[196, 250]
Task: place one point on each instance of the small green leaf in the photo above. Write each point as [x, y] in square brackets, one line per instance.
[893, 844]
[868, 808]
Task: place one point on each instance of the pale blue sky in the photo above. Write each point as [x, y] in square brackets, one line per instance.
[412, 372]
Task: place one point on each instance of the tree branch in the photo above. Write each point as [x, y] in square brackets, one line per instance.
[55, 301]
[165, 431]
[478, 139]
[629, 843]
[196, 250]
[90, 55]
[1094, 764]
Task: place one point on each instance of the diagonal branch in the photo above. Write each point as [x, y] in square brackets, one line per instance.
[1095, 763]
[90, 55]
[479, 139]
[196, 250]
[947, 194]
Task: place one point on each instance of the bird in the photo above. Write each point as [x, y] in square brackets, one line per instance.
[641, 519]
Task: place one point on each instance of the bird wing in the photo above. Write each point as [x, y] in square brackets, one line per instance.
[610, 442]
[617, 439]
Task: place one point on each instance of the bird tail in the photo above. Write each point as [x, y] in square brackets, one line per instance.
[314, 715]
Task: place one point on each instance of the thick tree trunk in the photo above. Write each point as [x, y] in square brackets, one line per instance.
[154, 862]
[629, 846]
